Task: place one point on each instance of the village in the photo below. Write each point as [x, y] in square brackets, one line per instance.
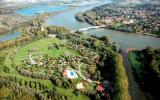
[142, 18]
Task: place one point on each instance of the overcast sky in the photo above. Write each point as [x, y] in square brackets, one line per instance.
[32, 0]
[6, 1]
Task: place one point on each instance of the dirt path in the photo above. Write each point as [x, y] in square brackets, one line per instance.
[134, 90]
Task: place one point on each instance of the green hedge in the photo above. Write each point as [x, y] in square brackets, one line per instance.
[121, 80]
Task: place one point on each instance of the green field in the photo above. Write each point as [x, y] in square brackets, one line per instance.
[135, 62]
[19, 53]
[42, 63]
[42, 47]
[13, 72]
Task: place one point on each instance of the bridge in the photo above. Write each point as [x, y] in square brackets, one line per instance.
[87, 28]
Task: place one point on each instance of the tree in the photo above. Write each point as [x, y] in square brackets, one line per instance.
[149, 51]
[105, 39]
[76, 92]
[6, 69]
[58, 82]
[97, 76]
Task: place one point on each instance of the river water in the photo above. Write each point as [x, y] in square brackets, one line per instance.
[41, 9]
[126, 40]
[9, 36]
[67, 19]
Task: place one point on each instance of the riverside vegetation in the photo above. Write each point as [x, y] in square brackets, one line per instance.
[146, 64]
[32, 66]
[140, 18]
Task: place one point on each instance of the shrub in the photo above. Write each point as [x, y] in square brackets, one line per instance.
[121, 80]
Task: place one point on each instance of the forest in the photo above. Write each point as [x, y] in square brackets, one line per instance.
[146, 64]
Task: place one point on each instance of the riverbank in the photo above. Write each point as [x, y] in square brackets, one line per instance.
[11, 20]
[134, 90]
[148, 34]
[91, 22]
[124, 18]
[41, 17]
[144, 64]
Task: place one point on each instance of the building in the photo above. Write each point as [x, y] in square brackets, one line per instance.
[69, 73]
[100, 88]
[80, 86]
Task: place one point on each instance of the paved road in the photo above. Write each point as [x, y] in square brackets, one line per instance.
[134, 90]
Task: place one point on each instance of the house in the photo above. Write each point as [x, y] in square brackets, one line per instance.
[69, 73]
[100, 88]
[42, 29]
[80, 86]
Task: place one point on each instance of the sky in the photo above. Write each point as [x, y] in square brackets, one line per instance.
[33, 1]
[22, 0]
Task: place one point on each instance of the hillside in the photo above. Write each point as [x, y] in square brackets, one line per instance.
[53, 63]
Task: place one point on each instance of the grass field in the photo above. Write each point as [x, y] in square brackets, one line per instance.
[8, 61]
[121, 82]
[42, 46]
[135, 62]
[47, 83]
[71, 96]
[13, 72]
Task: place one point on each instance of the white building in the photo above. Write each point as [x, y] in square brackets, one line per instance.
[80, 86]
[71, 74]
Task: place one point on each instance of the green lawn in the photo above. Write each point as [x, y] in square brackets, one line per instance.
[8, 61]
[70, 95]
[47, 83]
[56, 53]
[136, 64]
[42, 46]
[21, 52]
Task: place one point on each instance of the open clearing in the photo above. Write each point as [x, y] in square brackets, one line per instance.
[41, 46]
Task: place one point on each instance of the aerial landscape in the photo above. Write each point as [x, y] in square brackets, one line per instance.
[79, 49]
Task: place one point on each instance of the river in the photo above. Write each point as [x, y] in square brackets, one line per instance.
[67, 19]
[9, 36]
[32, 11]
[126, 40]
